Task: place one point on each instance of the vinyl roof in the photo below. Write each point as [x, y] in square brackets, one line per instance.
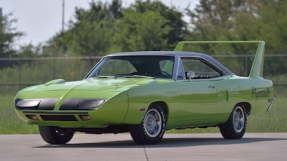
[158, 53]
[206, 57]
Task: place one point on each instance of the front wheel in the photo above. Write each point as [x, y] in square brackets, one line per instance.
[152, 128]
[235, 126]
[55, 135]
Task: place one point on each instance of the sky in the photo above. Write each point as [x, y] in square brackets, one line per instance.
[41, 19]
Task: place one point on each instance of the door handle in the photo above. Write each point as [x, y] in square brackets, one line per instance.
[211, 86]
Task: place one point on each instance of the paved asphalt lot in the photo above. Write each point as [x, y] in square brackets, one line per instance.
[175, 147]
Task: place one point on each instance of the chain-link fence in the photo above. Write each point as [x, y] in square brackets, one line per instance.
[17, 73]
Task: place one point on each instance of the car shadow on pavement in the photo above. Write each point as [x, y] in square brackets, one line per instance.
[166, 143]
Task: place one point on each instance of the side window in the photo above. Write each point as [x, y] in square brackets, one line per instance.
[200, 69]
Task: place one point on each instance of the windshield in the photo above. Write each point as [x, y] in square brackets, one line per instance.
[134, 66]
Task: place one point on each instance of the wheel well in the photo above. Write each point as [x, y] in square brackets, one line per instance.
[246, 106]
[163, 105]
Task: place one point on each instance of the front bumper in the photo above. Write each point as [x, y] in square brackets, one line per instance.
[73, 113]
[76, 113]
[66, 119]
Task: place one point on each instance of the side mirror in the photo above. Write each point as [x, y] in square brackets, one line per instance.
[190, 75]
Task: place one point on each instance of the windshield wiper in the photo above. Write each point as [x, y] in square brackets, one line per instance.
[105, 76]
[136, 76]
[124, 76]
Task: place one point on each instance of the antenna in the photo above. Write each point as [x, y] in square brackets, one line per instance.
[63, 15]
[1, 13]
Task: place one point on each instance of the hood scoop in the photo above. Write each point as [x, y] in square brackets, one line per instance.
[56, 81]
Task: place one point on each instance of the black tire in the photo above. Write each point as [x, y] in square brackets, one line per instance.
[141, 134]
[55, 135]
[234, 128]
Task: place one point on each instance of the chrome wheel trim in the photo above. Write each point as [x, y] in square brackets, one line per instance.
[238, 119]
[152, 123]
[61, 132]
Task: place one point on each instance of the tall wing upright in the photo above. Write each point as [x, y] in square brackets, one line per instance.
[257, 65]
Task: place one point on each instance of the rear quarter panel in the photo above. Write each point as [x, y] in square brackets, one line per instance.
[255, 91]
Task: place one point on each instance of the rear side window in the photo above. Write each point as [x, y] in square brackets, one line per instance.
[200, 69]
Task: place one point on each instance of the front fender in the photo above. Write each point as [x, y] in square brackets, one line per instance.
[141, 97]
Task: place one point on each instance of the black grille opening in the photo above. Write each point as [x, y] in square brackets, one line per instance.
[47, 104]
[58, 117]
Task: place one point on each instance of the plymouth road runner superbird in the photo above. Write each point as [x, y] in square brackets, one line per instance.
[146, 93]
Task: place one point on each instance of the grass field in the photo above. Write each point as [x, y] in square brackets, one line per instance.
[273, 121]
[9, 122]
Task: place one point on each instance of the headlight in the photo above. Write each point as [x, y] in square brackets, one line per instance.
[81, 104]
[36, 104]
[27, 103]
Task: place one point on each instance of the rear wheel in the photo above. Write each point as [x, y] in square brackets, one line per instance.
[152, 128]
[55, 135]
[235, 127]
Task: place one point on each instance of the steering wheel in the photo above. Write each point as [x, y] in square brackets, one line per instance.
[165, 74]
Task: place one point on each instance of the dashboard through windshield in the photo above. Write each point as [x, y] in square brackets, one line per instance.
[134, 66]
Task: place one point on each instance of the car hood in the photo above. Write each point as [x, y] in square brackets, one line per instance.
[98, 84]
[88, 88]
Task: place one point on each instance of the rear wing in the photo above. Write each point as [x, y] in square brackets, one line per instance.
[257, 65]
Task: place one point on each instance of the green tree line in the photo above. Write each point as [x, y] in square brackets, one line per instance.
[151, 25]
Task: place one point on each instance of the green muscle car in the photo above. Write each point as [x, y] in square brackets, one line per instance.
[146, 93]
